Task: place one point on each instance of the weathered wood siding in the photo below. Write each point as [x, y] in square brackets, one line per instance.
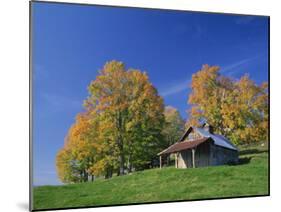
[202, 155]
[182, 160]
[185, 159]
[220, 155]
[207, 154]
[193, 135]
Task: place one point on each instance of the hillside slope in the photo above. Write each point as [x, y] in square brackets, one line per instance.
[155, 185]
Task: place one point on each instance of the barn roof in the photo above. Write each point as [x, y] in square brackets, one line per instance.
[182, 144]
[219, 139]
[179, 146]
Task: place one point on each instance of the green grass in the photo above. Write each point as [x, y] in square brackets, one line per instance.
[167, 184]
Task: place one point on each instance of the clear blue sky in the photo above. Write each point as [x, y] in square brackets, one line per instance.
[72, 42]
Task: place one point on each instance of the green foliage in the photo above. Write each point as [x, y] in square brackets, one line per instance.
[173, 127]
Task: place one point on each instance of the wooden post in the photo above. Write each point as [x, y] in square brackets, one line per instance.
[160, 161]
[193, 158]
[176, 160]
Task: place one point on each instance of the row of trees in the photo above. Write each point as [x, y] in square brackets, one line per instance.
[125, 124]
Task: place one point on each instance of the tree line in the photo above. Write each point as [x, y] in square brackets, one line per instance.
[125, 122]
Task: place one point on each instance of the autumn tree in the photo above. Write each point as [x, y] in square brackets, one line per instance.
[246, 112]
[173, 127]
[119, 129]
[131, 114]
[236, 108]
[66, 171]
[75, 160]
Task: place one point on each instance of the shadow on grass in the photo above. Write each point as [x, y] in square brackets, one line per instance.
[244, 160]
[241, 161]
[252, 151]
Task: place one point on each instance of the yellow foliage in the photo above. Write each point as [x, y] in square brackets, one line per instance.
[124, 117]
[238, 109]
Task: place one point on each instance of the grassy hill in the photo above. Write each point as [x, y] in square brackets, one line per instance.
[250, 177]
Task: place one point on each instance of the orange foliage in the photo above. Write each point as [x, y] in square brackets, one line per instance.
[237, 109]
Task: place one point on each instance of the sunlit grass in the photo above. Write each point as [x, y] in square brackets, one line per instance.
[248, 178]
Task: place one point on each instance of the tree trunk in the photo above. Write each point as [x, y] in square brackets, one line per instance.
[106, 176]
[129, 164]
[121, 155]
[81, 176]
[120, 128]
[108, 173]
[121, 161]
[85, 176]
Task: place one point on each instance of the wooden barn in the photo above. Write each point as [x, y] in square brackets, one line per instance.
[200, 147]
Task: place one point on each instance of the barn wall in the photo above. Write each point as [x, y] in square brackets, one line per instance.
[207, 154]
[220, 155]
[193, 135]
[202, 155]
[185, 159]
